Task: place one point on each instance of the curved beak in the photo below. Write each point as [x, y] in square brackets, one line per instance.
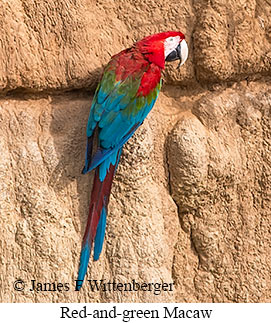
[180, 52]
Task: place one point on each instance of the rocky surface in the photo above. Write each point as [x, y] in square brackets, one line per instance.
[191, 200]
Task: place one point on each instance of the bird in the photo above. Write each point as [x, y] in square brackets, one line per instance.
[129, 86]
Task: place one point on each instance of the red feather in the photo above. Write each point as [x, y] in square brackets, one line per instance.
[149, 80]
[99, 198]
[145, 56]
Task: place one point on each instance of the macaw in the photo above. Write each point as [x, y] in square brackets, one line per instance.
[128, 89]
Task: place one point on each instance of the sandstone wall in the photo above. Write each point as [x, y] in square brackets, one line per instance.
[191, 199]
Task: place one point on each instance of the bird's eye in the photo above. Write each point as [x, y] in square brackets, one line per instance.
[171, 39]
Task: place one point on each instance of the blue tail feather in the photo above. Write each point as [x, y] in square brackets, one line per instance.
[84, 259]
[99, 238]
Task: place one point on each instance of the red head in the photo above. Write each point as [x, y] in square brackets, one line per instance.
[167, 46]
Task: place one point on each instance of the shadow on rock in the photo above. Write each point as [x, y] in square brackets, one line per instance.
[68, 129]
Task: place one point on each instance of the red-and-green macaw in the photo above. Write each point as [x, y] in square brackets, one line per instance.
[129, 87]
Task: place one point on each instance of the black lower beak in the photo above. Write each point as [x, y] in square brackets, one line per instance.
[174, 55]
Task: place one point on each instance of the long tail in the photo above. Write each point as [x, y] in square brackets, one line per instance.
[95, 229]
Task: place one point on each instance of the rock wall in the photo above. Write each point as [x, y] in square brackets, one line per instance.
[191, 200]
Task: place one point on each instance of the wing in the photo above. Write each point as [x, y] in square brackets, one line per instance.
[120, 105]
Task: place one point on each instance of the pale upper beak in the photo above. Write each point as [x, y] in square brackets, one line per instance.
[180, 52]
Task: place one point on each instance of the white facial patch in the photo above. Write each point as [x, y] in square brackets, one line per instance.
[170, 44]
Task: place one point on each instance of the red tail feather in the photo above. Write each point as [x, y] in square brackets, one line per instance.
[99, 198]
